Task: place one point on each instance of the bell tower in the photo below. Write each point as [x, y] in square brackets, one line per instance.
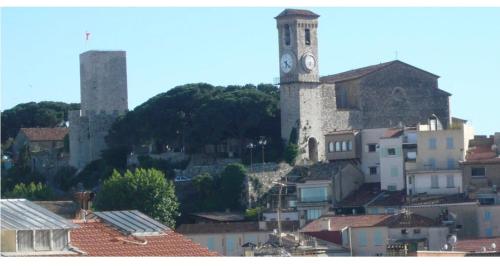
[298, 46]
[300, 87]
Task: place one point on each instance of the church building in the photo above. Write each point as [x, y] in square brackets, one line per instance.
[316, 110]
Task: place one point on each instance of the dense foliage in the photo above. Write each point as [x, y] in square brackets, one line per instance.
[31, 191]
[146, 190]
[191, 116]
[42, 114]
[220, 192]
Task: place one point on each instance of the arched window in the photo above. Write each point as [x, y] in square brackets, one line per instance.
[308, 36]
[349, 145]
[287, 34]
[330, 147]
[344, 145]
[337, 146]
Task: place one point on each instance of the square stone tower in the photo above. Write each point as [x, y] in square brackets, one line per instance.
[103, 89]
[103, 82]
[300, 88]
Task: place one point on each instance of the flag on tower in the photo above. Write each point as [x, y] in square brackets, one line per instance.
[87, 35]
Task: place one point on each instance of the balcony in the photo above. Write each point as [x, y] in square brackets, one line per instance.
[313, 203]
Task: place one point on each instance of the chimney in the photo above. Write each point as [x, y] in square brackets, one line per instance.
[329, 224]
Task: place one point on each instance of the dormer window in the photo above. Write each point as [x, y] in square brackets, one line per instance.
[308, 36]
[287, 34]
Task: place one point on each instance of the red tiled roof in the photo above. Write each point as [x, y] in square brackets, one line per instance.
[393, 132]
[482, 153]
[97, 239]
[475, 245]
[45, 133]
[337, 223]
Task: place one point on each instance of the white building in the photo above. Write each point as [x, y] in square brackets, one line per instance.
[370, 159]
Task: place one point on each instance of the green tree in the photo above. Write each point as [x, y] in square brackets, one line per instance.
[145, 190]
[231, 186]
[291, 152]
[42, 114]
[31, 191]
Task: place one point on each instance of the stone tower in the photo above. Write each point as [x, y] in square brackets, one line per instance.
[103, 89]
[300, 89]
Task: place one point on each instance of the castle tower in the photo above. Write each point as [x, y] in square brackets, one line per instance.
[103, 89]
[300, 88]
[103, 82]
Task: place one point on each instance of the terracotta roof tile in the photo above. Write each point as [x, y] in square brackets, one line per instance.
[97, 239]
[475, 245]
[45, 133]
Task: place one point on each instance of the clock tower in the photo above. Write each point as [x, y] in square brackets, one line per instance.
[298, 46]
[300, 88]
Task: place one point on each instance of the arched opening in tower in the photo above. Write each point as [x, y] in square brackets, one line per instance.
[313, 149]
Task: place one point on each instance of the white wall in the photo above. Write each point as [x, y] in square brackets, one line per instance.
[387, 162]
[422, 182]
[369, 159]
[221, 241]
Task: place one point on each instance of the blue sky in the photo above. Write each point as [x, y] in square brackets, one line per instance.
[167, 47]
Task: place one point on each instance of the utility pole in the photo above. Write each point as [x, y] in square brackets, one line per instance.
[279, 211]
[251, 146]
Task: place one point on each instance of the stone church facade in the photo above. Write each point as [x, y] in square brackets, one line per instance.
[379, 96]
[103, 88]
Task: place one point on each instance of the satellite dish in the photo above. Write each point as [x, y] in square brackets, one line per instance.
[445, 246]
[483, 249]
[453, 239]
[493, 246]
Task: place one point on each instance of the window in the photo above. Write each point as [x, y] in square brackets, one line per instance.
[372, 147]
[451, 163]
[211, 243]
[287, 34]
[404, 231]
[434, 181]
[394, 171]
[488, 232]
[331, 147]
[373, 170]
[313, 194]
[449, 143]
[378, 238]
[308, 36]
[432, 144]
[25, 240]
[349, 145]
[230, 246]
[391, 151]
[450, 181]
[487, 216]
[416, 231]
[313, 214]
[42, 240]
[344, 145]
[411, 155]
[362, 238]
[478, 172]
[432, 163]
[59, 239]
[337, 146]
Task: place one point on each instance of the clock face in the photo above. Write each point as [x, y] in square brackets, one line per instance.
[286, 63]
[309, 62]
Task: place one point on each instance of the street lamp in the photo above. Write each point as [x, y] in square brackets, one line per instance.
[262, 142]
[251, 146]
[279, 210]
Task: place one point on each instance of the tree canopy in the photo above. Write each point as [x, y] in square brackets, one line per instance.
[32, 114]
[145, 190]
[31, 191]
[193, 115]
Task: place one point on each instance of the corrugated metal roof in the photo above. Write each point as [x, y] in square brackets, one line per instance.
[22, 214]
[133, 222]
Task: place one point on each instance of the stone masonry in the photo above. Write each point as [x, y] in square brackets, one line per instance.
[103, 87]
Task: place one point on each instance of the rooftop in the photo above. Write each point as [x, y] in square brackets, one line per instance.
[234, 227]
[67, 209]
[476, 245]
[22, 214]
[297, 12]
[45, 133]
[363, 195]
[393, 133]
[96, 238]
[398, 199]
[221, 216]
[133, 223]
